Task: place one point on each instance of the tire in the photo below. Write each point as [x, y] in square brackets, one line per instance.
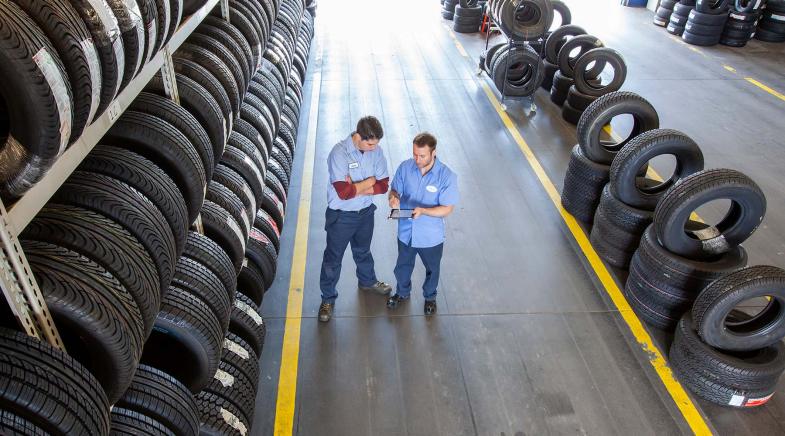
[602, 111]
[642, 149]
[583, 186]
[743, 35]
[738, 16]
[703, 30]
[769, 23]
[164, 144]
[715, 7]
[129, 18]
[203, 96]
[274, 183]
[697, 17]
[560, 89]
[70, 37]
[277, 80]
[186, 331]
[265, 222]
[196, 279]
[274, 167]
[550, 71]
[219, 417]
[561, 8]
[259, 120]
[578, 100]
[235, 182]
[159, 396]
[683, 9]
[126, 206]
[247, 322]
[239, 354]
[668, 4]
[149, 12]
[130, 423]
[217, 68]
[768, 36]
[468, 11]
[678, 19]
[746, 6]
[254, 137]
[528, 28]
[106, 243]
[466, 28]
[222, 52]
[209, 254]
[662, 286]
[283, 156]
[716, 302]
[570, 114]
[40, 111]
[250, 34]
[674, 29]
[617, 229]
[105, 33]
[733, 42]
[757, 369]
[221, 227]
[51, 388]
[271, 102]
[700, 40]
[557, 39]
[176, 12]
[224, 197]
[232, 36]
[262, 253]
[603, 56]
[662, 22]
[522, 69]
[711, 390]
[673, 213]
[191, 6]
[146, 177]
[239, 161]
[583, 43]
[174, 114]
[97, 318]
[258, 157]
[234, 387]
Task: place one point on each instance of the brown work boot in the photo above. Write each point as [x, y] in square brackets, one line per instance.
[380, 288]
[325, 312]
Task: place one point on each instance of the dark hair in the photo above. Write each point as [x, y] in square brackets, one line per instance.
[369, 128]
[425, 139]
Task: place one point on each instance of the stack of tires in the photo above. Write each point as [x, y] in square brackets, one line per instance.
[663, 14]
[628, 202]
[589, 168]
[679, 17]
[311, 6]
[771, 27]
[678, 257]
[725, 355]
[74, 57]
[468, 17]
[133, 290]
[448, 9]
[706, 23]
[741, 24]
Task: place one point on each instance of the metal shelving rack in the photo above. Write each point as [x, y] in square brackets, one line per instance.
[18, 284]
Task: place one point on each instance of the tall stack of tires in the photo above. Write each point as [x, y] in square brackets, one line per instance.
[679, 17]
[468, 17]
[679, 256]
[590, 161]
[448, 9]
[663, 14]
[771, 27]
[742, 22]
[158, 249]
[706, 23]
[725, 355]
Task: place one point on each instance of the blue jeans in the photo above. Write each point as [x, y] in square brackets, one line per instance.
[431, 258]
[344, 228]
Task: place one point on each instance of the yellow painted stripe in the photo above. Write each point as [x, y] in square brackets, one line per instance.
[676, 391]
[765, 88]
[729, 68]
[290, 353]
[457, 43]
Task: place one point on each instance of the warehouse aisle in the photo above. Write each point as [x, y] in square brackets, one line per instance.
[525, 342]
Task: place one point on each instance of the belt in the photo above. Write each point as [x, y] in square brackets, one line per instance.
[363, 210]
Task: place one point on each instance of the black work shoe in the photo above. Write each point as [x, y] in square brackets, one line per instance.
[380, 288]
[325, 312]
[430, 307]
[393, 301]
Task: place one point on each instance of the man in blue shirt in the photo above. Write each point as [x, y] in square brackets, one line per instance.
[358, 171]
[428, 187]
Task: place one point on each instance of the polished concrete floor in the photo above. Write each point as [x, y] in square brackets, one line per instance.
[525, 340]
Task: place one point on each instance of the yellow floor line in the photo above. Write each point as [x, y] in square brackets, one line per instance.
[765, 88]
[674, 388]
[729, 68]
[290, 353]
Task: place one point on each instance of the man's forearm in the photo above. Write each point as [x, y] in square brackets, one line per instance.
[364, 185]
[438, 211]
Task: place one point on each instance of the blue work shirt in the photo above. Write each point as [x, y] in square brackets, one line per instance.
[346, 160]
[438, 187]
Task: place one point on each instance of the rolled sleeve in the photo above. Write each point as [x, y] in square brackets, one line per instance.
[449, 195]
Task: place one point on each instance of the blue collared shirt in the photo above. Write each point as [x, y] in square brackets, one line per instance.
[438, 187]
[346, 160]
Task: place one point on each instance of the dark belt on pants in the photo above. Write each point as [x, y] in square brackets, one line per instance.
[362, 211]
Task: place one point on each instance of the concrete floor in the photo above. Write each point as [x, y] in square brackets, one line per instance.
[525, 341]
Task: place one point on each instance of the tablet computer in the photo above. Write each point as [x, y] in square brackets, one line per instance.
[400, 214]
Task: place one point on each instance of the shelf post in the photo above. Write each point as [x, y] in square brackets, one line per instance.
[225, 9]
[169, 77]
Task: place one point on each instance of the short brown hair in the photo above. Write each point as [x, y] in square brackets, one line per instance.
[425, 139]
[369, 127]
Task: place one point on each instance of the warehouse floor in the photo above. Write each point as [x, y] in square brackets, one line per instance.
[526, 340]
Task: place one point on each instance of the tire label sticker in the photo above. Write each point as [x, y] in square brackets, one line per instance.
[246, 221]
[227, 128]
[261, 52]
[233, 421]
[736, 400]
[119, 55]
[713, 241]
[738, 17]
[259, 236]
[226, 379]
[232, 224]
[249, 311]
[753, 402]
[94, 64]
[59, 90]
[152, 32]
[255, 169]
[237, 349]
[249, 194]
[777, 17]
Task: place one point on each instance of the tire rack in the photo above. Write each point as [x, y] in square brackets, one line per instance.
[16, 279]
[511, 43]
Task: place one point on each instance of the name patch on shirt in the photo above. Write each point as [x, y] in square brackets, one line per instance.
[354, 165]
[431, 188]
